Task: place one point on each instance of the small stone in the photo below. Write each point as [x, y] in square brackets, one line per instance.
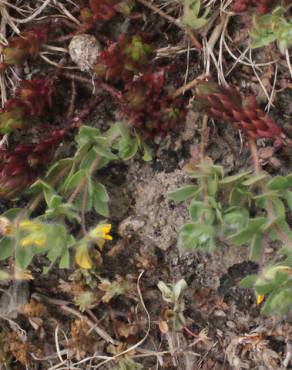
[130, 226]
[84, 50]
[219, 313]
[231, 324]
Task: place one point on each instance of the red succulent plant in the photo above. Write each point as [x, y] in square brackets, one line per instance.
[26, 45]
[123, 58]
[22, 166]
[227, 104]
[263, 6]
[30, 100]
[103, 11]
[149, 108]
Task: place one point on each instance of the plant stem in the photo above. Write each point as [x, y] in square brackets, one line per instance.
[83, 183]
[84, 200]
[254, 154]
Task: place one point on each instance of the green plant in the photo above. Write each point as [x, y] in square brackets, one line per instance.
[272, 27]
[192, 17]
[174, 294]
[70, 190]
[242, 209]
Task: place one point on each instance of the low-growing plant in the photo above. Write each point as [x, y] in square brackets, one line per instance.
[174, 294]
[243, 209]
[226, 103]
[23, 47]
[151, 109]
[30, 101]
[272, 27]
[70, 190]
[262, 6]
[122, 59]
[191, 16]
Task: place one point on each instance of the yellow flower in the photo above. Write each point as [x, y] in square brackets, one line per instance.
[26, 242]
[26, 224]
[38, 240]
[30, 225]
[260, 298]
[82, 257]
[101, 233]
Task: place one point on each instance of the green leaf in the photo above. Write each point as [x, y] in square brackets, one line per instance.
[6, 248]
[87, 160]
[212, 186]
[194, 236]
[239, 195]
[244, 236]
[253, 179]
[86, 135]
[58, 167]
[264, 289]
[202, 212]
[11, 213]
[279, 208]
[248, 281]
[101, 148]
[23, 256]
[100, 200]
[74, 180]
[267, 195]
[234, 178]
[183, 193]
[235, 219]
[40, 185]
[288, 197]
[65, 260]
[256, 247]
[128, 147]
[280, 183]
[147, 152]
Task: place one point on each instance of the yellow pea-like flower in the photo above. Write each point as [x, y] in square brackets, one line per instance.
[82, 257]
[31, 240]
[101, 234]
[260, 298]
[26, 242]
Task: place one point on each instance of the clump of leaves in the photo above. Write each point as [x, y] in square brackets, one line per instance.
[124, 58]
[174, 294]
[191, 16]
[149, 108]
[80, 341]
[19, 349]
[272, 27]
[103, 10]
[31, 99]
[69, 190]
[275, 283]
[254, 213]
[20, 167]
[112, 289]
[244, 113]
[23, 47]
[263, 6]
